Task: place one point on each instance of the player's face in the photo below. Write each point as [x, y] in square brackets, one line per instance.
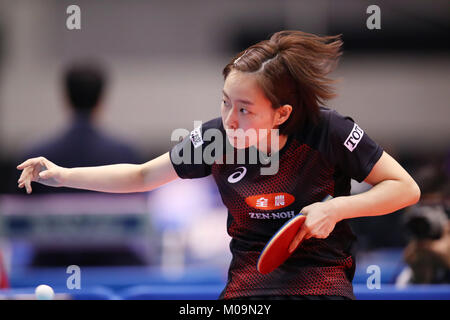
[246, 110]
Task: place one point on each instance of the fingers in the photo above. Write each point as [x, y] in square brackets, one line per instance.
[26, 178]
[26, 163]
[20, 179]
[30, 162]
[25, 174]
[29, 173]
[28, 186]
[25, 182]
[302, 234]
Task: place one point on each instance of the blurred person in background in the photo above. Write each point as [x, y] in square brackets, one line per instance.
[446, 187]
[427, 224]
[83, 143]
[280, 84]
[84, 85]
[428, 252]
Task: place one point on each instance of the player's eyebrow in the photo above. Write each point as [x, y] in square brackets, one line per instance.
[239, 100]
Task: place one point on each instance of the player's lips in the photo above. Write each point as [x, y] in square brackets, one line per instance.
[235, 141]
[234, 138]
[234, 133]
[230, 135]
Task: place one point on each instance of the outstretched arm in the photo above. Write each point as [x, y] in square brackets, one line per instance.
[116, 178]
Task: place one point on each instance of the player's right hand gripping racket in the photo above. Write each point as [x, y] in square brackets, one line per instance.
[276, 250]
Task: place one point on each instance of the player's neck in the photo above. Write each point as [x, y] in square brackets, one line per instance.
[271, 148]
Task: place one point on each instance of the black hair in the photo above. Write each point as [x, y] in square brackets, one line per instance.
[84, 85]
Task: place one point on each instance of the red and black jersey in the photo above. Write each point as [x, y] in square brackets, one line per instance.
[318, 160]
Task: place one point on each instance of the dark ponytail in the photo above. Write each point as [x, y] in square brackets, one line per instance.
[292, 68]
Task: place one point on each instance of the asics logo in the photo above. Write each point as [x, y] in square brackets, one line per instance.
[237, 176]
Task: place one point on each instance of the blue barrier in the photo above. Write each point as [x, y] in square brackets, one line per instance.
[390, 262]
[411, 292]
[61, 293]
[175, 292]
[212, 292]
[206, 283]
[118, 278]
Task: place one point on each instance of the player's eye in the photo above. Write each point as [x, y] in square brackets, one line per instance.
[225, 103]
[244, 111]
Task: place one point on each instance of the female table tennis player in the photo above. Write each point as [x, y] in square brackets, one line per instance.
[282, 84]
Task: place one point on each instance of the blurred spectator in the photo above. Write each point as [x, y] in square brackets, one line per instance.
[428, 252]
[446, 187]
[82, 144]
[432, 180]
[432, 174]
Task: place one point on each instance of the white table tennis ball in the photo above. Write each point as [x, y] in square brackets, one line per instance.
[44, 292]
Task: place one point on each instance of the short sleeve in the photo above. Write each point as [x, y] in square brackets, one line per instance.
[188, 156]
[350, 148]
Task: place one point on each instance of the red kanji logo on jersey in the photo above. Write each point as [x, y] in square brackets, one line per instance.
[271, 201]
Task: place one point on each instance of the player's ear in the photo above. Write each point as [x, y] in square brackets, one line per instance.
[282, 114]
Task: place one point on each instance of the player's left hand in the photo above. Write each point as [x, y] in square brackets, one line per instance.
[319, 223]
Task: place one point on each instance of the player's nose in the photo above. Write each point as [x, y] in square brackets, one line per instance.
[231, 121]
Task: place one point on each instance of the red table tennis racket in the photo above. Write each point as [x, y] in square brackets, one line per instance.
[276, 250]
